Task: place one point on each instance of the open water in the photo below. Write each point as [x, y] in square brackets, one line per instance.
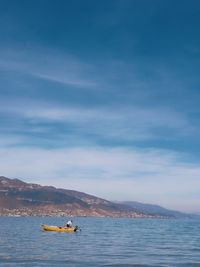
[102, 242]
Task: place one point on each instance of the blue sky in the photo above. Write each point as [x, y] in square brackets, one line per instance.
[103, 97]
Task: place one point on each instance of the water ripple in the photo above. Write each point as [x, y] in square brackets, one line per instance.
[102, 242]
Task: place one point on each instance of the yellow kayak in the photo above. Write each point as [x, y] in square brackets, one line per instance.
[46, 227]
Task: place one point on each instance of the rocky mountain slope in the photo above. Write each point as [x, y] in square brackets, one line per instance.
[20, 198]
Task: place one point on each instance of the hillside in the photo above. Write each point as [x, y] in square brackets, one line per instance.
[20, 198]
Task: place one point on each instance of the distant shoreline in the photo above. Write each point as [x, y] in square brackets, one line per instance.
[30, 213]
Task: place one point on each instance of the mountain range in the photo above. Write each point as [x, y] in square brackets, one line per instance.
[20, 198]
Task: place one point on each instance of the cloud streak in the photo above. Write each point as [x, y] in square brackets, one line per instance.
[127, 124]
[49, 65]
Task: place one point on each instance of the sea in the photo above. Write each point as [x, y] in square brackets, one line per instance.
[101, 242]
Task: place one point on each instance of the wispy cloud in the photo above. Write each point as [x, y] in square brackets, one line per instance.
[135, 123]
[49, 65]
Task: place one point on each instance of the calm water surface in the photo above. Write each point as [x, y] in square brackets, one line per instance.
[102, 242]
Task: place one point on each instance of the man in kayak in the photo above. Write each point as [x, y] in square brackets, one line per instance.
[69, 224]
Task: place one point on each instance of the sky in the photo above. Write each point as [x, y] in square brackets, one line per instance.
[103, 97]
